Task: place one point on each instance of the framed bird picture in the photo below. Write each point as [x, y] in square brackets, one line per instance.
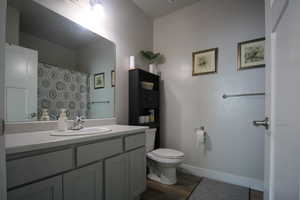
[251, 54]
[205, 62]
[99, 81]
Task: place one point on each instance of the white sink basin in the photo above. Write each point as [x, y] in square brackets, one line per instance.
[84, 131]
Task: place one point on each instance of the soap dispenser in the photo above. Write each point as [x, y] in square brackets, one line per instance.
[62, 122]
[45, 115]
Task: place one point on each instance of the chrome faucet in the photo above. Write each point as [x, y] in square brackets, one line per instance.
[78, 123]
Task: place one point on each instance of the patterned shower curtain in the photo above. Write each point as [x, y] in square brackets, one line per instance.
[62, 88]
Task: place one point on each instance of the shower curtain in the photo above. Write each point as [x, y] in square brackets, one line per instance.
[60, 88]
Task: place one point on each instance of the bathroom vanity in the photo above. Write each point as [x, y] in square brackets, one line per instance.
[110, 166]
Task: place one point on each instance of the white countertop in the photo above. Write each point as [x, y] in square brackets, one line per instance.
[31, 141]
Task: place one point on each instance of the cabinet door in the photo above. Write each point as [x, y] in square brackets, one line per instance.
[85, 183]
[116, 178]
[137, 172]
[50, 189]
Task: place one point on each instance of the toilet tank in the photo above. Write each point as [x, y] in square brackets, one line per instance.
[150, 139]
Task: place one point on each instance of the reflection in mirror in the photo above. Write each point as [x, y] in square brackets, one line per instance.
[52, 64]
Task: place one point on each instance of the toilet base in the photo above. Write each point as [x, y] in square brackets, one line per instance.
[164, 175]
[164, 181]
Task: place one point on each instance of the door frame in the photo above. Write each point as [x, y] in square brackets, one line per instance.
[276, 10]
[268, 91]
[3, 4]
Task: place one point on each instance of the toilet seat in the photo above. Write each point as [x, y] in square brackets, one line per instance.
[167, 156]
[168, 153]
[163, 160]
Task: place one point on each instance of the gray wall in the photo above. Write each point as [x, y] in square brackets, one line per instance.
[125, 25]
[12, 25]
[49, 52]
[188, 102]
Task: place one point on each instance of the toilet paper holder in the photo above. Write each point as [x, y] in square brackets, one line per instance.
[202, 128]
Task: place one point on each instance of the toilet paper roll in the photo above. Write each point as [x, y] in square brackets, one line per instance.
[200, 137]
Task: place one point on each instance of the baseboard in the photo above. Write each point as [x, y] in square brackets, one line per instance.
[224, 177]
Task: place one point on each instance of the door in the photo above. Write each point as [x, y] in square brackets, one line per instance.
[282, 169]
[116, 178]
[2, 145]
[137, 172]
[20, 83]
[85, 183]
[50, 189]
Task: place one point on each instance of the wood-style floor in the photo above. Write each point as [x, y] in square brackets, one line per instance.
[182, 190]
[256, 195]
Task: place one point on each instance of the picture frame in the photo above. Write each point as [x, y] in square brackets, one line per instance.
[113, 78]
[251, 54]
[205, 62]
[99, 81]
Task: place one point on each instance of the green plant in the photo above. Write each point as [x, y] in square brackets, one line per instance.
[149, 55]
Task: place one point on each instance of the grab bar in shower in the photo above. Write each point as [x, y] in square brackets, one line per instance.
[225, 96]
[104, 102]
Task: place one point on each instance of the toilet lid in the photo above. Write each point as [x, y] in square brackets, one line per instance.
[168, 153]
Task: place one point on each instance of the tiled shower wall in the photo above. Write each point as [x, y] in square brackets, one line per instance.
[62, 88]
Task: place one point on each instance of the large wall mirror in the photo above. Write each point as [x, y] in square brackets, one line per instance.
[52, 63]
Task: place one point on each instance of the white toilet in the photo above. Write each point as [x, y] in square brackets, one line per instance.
[162, 163]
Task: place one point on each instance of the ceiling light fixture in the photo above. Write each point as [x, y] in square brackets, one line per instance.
[96, 5]
[97, 8]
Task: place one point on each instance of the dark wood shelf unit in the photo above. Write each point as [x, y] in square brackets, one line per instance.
[150, 124]
[142, 100]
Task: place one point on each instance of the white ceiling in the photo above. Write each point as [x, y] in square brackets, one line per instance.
[158, 8]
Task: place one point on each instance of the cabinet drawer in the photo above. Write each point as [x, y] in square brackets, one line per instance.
[134, 141]
[29, 169]
[94, 152]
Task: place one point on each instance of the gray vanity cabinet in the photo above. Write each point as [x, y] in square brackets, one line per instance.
[116, 178]
[50, 189]
[137, 172]
[112, 169]
[84, 183]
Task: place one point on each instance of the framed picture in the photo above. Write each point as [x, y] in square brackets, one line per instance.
[205, 62]
[113, 78]
[251, 54]
[99, 81]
